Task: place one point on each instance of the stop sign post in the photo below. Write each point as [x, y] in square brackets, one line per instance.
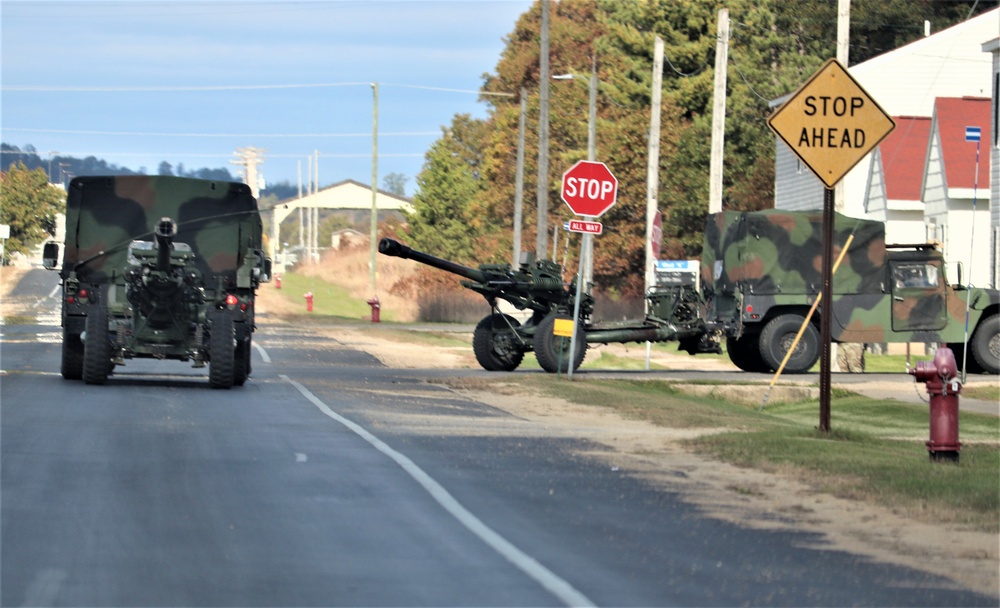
[589, 189]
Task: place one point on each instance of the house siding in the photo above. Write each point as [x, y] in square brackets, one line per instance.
[796, 187]
[904, 82]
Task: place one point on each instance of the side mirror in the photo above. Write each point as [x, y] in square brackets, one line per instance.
[266, 277]
[262, 268]
[50, 256]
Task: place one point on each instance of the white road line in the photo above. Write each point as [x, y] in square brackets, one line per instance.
[263, 353]
[524, 562]
[48, 298]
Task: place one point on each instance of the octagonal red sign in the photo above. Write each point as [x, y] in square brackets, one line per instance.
[589, 188]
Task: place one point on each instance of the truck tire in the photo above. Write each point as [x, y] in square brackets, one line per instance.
[985, 344]
[745, 354]
[552, 351]
[241, 362]
[97, 348]
[496, 345]
[777, 338]
[960, 350]
[72, 356]
[221, 351]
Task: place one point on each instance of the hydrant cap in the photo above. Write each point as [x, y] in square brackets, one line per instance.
[944, 361]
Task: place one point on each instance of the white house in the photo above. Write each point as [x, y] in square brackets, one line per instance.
[893, 192]
[904, 82]
[993, 47]
[956, 190]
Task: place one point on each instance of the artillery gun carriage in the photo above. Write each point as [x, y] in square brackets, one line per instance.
[500, 341]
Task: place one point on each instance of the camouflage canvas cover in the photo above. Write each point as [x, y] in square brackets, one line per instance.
[779, 252]
[218, 220]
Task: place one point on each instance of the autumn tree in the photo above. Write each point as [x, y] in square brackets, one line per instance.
[774, 47]
[29, 205]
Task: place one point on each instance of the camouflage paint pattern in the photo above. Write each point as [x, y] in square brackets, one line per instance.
[104, 214]
[755, 265]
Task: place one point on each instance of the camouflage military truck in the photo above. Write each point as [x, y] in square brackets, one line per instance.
[159, 267]
[761, 272]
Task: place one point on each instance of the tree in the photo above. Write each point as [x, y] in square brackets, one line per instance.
[395, 183]
[28, 204]
[441, 221]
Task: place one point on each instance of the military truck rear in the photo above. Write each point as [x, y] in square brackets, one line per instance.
[761, 272]
[159, 267]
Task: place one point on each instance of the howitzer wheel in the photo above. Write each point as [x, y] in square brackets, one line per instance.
[496, 343]
[97, 348]
[777, 338]
[985, 344]
[221, 351]
[72, 356]
[745, 353]
[552, 351]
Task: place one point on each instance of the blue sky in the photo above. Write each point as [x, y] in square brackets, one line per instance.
[138, 82]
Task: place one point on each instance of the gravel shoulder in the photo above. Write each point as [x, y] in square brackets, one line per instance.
[743, 496]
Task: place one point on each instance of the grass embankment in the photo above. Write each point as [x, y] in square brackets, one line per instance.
[874, 452]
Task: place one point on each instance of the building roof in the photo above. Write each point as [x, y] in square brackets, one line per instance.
[952, 115]
[949, 63]
[903, 154]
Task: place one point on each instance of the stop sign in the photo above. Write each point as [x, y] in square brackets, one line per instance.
[589, 188]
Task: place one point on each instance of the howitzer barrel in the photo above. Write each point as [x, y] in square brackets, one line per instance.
[394, 248]
[165, 231]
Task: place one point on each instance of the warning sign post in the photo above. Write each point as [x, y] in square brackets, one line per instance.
[830, 123]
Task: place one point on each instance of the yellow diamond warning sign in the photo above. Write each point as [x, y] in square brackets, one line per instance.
[831, 123]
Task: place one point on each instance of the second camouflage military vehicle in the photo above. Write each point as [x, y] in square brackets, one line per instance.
[761, 271]
[159, 267]
[760, 274]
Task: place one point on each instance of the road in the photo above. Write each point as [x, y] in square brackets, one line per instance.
[293, 491]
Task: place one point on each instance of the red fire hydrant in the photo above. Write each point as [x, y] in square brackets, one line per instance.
[277, 281]
[309, 301]
[375, 309]
[943, 387]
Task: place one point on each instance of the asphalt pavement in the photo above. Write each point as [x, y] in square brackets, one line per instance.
[295, 490]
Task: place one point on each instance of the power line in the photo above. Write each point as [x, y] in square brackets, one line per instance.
[162, 134]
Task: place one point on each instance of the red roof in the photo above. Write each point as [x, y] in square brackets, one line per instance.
[904, 153]
[953, 115]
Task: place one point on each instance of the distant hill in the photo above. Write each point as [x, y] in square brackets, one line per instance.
[61, 169]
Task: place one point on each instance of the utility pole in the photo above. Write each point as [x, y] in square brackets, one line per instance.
[374, 219]
[248, 159]
[719, 114]
[519, 181]
[653, 158]
[843, 49]
[542, 187]
[588, 239]
[315, 209]
[302, 228]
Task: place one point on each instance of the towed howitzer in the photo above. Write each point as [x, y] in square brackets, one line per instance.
[500, 341]
[536, 285]
[162, 281]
